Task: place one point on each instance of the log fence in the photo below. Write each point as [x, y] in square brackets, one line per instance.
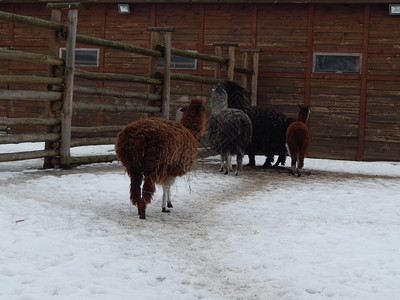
[60, 87]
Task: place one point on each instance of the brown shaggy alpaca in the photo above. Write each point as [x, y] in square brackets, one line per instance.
[298, 139]
[155, 151]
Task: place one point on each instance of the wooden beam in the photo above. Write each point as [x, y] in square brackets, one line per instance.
[167, 75]
[116, 77]
[27, 155]
[31, 57]
[29, 121]
[29, 95]
[54, 44]
[14, 18]
[30, 79]
[309, 55]
[117, 93]
[66, 112]
[28, 138]
[80, 105]
[231, 64]
[363, 91]
[254, 78]
[218, 66]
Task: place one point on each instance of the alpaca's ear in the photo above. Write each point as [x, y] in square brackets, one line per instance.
[183, 109]
[299, 105]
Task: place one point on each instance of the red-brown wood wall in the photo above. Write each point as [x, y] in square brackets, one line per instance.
[353, 116]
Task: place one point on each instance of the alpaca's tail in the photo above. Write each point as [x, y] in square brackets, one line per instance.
[131, 152]
[136, 183]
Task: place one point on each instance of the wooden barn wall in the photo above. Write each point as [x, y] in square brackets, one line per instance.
[353, 116]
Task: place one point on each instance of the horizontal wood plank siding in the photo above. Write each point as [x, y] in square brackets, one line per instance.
[334, 115]
[282, 26]
[228, 23]
[338, 26]
[288, 35]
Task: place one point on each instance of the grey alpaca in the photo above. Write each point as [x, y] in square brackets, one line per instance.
[229, 130]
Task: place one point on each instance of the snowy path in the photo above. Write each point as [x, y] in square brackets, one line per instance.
[262, 235]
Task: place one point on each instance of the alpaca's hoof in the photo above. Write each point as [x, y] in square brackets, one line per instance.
[170, 205]
[164, 210]
[142, 216]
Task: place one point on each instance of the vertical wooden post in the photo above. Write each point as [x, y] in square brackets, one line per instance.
[231, 64]
[166, 98]
[309, 55]
[167, 75]
[363, 92]
[154, 41]
[66, 113]
[217, 72]
[245, 58]
[231, 60]
[54, 42]
[254, 77]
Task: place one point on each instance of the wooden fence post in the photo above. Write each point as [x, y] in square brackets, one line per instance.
[217, 72]
[231, 59]
[254, 74]
[254, 77]
[245, 58]
[154, 42]
[231, 65]
[66, 113]
[166, 99]
[53, 51]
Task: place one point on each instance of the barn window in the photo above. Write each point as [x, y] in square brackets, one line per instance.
[341, 63]
[179, 62]
[84, 57]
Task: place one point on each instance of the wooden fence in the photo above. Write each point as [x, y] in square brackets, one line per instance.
[60, 91]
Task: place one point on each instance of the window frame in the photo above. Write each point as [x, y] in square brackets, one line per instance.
[358, 66]
[80, 64]
[160, 62]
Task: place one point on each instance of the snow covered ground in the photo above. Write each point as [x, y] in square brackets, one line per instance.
[73, 234]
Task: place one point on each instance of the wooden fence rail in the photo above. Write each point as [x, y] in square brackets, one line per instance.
[61, 88]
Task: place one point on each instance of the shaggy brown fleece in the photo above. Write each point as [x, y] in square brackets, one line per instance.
[156, 150]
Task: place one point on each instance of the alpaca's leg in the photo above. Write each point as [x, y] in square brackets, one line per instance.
[135, 189]
[226, 163]
[293, 157]
[166, 200]
[281, 160]
[148, 191]
[268, 160]
[239, 162]
[221, 169]
[300, 166]
[229, 162]
[252, 159]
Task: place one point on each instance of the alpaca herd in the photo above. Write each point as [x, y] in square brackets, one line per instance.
[156, 151]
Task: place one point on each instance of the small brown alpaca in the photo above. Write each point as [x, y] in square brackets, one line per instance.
[298, 139]
[155, 151]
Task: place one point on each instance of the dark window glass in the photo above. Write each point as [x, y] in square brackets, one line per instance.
[179, 62]
[84, 57]
[337, 63]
